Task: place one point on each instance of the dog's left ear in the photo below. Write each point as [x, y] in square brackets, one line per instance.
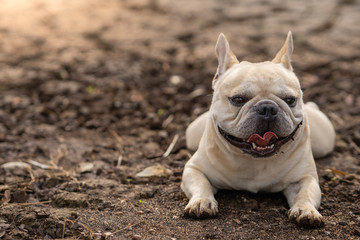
[284, 55]
[225, 56]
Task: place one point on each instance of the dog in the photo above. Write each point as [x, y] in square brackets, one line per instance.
[257, 136]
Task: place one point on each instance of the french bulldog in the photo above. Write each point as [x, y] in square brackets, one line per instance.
[258, 136]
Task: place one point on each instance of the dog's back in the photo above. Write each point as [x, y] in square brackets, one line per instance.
[322, 132]
[195, 131]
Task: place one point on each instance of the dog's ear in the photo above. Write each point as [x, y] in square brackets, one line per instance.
[225, 56]
[284, 55]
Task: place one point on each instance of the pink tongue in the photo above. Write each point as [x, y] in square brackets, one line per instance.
[262, 141]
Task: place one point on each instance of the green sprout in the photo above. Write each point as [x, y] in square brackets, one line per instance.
[160, 112]
[90, 89]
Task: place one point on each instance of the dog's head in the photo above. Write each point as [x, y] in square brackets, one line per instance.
[256, 107]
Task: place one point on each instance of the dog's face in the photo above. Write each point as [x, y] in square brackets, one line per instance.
[256, 107]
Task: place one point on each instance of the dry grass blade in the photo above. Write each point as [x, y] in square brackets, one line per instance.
[121, 142]
[117, 137]
[338, 172]
[119, 161]
[171, 146]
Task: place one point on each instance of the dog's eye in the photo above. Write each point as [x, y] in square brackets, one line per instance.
[237, 101]
[291, 101]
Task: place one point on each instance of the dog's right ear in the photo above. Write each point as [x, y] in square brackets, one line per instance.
[225, 56]
[284, 55]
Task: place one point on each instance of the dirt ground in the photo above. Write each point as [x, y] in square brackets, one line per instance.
[93, 92]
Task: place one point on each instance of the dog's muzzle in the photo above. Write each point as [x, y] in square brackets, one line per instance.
[259, 146]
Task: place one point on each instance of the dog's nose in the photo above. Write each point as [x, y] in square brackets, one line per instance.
[267, 111]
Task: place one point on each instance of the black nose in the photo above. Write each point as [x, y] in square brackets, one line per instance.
[267, 111]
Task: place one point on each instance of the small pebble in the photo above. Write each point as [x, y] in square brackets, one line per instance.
[176, 80]
[136, 237]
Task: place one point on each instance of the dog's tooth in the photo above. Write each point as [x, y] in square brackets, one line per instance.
[260, 148]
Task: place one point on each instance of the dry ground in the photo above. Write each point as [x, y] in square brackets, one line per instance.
[92, 92]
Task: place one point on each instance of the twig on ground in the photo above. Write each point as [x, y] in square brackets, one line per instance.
[336, 118]
[4, 187]
[62, 151]
[66, 220]
[197, 93]
[64, 225]
[32, 177]
[354, 145]
[168, 120]
[88, 229]
[40, 165]
[6, 197]
[118, 138]
[171, 146]
[54, 161]
[19, 165]
[26, 204]
[127, 227]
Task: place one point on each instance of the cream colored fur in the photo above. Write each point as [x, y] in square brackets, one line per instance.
[219, 165]
[322, 133]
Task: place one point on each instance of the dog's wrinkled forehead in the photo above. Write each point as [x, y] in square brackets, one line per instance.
[259, 79]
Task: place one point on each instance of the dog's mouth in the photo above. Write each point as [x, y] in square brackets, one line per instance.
[259, 146]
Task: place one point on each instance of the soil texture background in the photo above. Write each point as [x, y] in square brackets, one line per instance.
[94, 92]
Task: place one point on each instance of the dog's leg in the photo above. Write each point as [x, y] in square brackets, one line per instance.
[304, 198]
[200, 192]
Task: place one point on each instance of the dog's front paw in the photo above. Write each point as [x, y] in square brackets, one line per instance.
[306, 216]
[201, 208]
